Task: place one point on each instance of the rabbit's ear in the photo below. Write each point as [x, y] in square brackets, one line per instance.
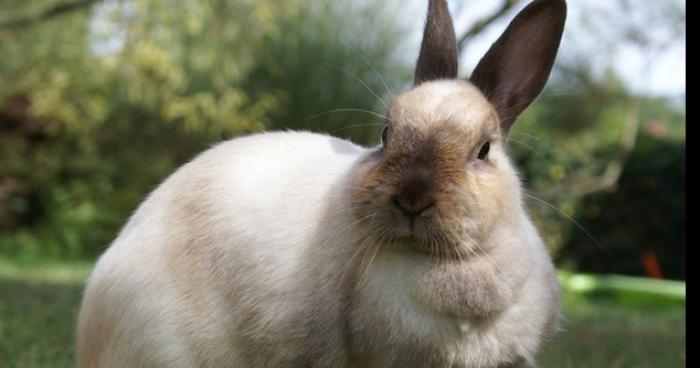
[438, 51]
[517, 66]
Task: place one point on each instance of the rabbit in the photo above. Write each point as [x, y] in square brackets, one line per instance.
[297, 249]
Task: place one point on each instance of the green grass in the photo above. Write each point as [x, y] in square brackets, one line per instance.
[38, 305]
[599, 333]
[39, 302]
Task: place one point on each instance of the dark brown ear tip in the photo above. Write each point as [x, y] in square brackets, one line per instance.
[560, 3]
[561, 8]
[437, 6]
[558, 7]
[438, 54]
[556, 3]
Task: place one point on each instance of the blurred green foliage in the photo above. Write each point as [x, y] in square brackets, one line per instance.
[99, 104]
[604, 174]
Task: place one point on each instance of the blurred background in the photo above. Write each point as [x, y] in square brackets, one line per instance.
[100, 100]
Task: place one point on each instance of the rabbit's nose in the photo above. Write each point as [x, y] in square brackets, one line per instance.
[414, 196]
[412, 210]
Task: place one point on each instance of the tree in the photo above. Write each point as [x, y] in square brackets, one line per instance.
[119, 93]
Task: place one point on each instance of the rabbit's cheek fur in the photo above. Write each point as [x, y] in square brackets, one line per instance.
[496, 203]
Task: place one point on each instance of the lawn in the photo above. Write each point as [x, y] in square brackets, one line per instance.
[39, 302]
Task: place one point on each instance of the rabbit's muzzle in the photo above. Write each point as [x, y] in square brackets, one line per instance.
[415, 194]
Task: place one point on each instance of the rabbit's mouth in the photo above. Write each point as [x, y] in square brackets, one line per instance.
[436, 247]
[425, 233]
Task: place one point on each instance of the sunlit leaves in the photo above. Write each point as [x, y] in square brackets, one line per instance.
[123, 92]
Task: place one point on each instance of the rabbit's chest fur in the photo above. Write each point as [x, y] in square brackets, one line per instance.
[414, 312]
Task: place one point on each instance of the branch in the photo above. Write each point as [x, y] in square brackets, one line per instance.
[608, 180]
[57, 9]
[482, 23]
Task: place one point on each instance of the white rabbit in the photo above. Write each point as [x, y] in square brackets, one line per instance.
[302, 250]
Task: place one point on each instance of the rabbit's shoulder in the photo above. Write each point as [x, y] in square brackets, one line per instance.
[260, 172]
[280, 149]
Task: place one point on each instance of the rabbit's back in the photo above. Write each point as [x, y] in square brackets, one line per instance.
[219, 245]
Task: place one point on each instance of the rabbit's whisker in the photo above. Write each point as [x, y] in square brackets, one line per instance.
[356, 126]
[576, 223]
[376, 73]
[544, 142]
[529, 147]
[347, 110]
[358, 80]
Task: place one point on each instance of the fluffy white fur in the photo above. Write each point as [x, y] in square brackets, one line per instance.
[248, 257]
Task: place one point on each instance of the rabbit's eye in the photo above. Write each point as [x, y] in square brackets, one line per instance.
[484, 151]
[385, 132]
